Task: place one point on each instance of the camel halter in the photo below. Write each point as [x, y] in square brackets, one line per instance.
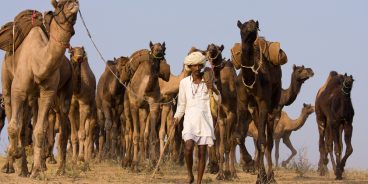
[255, 71]
[54, 15]
[112, 72]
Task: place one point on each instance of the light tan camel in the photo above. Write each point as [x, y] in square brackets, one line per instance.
[109, 101]
[168, 91]
[36, 73]
[283, 129]
[143, 93]
[82, 112]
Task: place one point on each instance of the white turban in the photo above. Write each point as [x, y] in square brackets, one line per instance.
[194, 58]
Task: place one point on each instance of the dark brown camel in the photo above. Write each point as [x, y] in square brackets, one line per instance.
[262, 82]
[82, 112]
[335, 112]
[109, 102]
[225, 77]
[143, 94]
[299, 75]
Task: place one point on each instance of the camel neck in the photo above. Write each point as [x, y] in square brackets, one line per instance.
[289, 95]
[299, 122]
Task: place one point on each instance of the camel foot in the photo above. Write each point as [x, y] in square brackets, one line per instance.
[86, 167]
[338, 173]
[284, 164]
[228, 175]
[249, 167]
[271, 178]
[61, 170]
[134, 168]
[322, 170]
[81, 158]
[24, 173]
[213, 168]
[190, 179]
[233, 175]
[220, 175]
[52, 160]
[261, 177]
[125, 163]
[35, 172]
[8, 168]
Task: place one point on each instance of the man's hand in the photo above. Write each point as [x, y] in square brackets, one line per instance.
[176, 121]
[209, 85]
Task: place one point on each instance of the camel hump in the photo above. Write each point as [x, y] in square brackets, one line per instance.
[235, 55]
[23, 23]
[331, 76]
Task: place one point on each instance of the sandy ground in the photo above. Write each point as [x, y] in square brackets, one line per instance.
[111, 172]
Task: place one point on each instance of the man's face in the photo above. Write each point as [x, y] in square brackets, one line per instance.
[196, 69]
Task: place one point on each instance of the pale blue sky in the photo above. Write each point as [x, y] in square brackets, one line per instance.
[324, 35]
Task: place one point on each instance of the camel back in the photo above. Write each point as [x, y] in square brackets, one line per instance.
[270, 50]
[23, 23]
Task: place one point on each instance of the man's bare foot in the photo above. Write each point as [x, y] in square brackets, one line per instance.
[190, 178]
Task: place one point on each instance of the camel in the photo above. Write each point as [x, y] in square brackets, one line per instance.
[83, 105]
[2, 113]
[334, 113]
[283, 130]
[299, 75]
[109, 102]
[168, 91]
[261, 91]
[143, 93]
[35, 67]
[225, 77]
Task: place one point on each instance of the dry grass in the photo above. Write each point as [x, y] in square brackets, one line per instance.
[111, 172]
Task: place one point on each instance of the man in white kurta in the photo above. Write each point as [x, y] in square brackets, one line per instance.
[194, 105]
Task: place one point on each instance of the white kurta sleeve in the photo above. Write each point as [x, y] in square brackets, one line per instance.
[182, 100]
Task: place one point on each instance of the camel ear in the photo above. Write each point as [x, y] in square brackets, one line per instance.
[150, 44]
[164, 47]
[222, 47]
[83, 47]
[294, 66]
[239, 24]
[54, 3]
[345, 75]
[304, 105]
[257, 24]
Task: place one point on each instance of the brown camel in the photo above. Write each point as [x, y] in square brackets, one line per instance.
[36, 74]
[143, 93]
[225, 77]
[109, 101]
[83, 105]
[262, 82]
[335, 112]
[283, 130]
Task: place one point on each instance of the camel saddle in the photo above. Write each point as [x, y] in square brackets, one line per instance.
[270, 50]
[21, 26]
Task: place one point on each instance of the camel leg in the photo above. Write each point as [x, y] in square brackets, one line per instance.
[101, 134]
[51, 137]
[107, 109]
[122, 135]
[231, 123]
[162, 133]
[269, 139]
[134, 113]
[114, 133]
[242, 123]
[287, 142]
[277, 151]
[143, 133]
[153, 119]
[88, 144]
[44, 101]
[24, 142]
[262, 117]
[64, 133]
[322, 147]
[348, 131]
[171, 140]
[84, 116]
[221, 173]
[74, 120]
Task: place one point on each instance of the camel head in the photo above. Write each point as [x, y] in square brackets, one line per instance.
[308, 109]
[248, 31]
[77, 54]
[301, 74]
[214, 52]
[157, 50]
[120, 64]
[347, 84]
[65, 13]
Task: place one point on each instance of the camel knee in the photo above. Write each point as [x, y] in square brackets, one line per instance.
[135, 139]
[82, 135]
[39, 136]
[108, 124]
[12, 129]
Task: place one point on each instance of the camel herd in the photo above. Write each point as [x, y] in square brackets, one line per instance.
[128, 114]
